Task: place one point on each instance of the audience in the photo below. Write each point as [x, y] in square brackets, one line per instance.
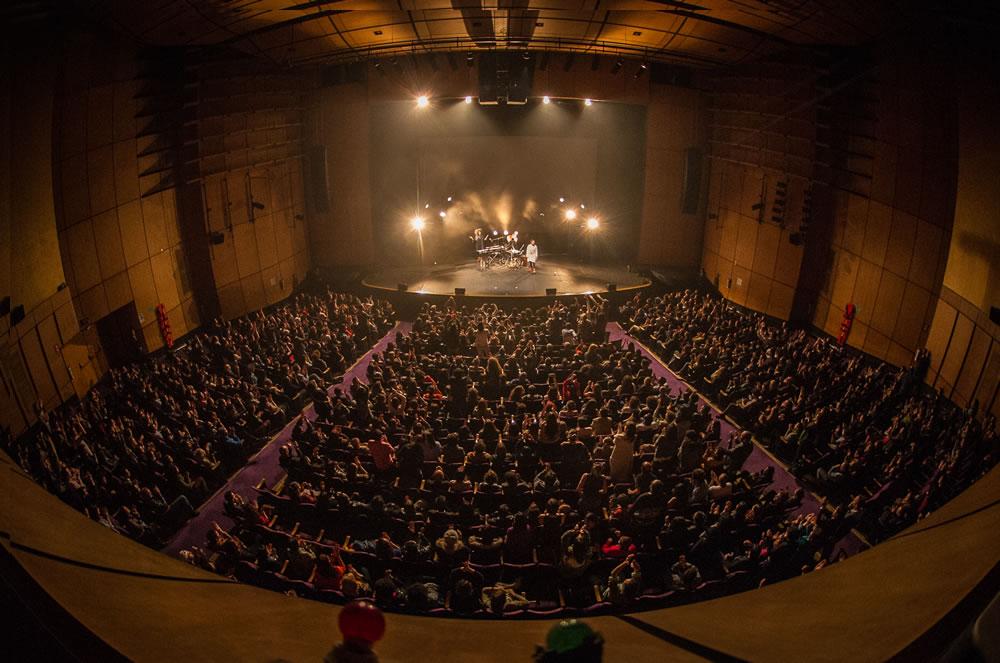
[877, 443]
[153, 440]
[512, 460]
[593, 485]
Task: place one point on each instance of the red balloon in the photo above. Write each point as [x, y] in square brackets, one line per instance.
[361, 620]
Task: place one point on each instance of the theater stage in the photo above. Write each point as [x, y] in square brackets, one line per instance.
[568, 276]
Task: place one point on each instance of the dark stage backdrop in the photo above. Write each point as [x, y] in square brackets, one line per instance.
[505, 168]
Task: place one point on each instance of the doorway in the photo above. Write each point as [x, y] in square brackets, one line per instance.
[121, 336]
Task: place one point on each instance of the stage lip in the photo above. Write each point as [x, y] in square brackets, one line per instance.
[588, 279]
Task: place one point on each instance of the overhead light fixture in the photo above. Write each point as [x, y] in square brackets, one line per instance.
[546, 100]
[570, 214]
[468, 99]
[427, 205]
[588, 102]
[617, 66]
[593, 223]
[442, 214]
[423, 101]
[417, 223]
[561, 199]
[470, 59]
[641, 70]
[526, 55]
[449, 199]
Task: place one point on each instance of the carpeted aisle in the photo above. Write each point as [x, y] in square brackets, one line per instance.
[264, 465]
[758, 460]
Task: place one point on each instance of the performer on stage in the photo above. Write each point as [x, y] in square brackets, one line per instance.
[531, 253]
[477, 237]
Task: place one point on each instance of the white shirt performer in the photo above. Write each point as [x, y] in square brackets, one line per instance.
[531, 254]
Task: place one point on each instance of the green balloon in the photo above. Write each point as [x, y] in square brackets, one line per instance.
[567, 636]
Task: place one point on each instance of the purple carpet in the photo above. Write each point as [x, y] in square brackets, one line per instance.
[759, 458]
[264, 465]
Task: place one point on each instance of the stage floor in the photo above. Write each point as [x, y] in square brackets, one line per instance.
[567, 276]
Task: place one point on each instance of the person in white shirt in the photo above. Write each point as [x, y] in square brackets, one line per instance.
[531, 254]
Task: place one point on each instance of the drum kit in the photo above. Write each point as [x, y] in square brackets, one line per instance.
[501, 252]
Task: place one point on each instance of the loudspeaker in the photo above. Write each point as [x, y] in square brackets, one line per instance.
[519, 78]
[692, 181]
[459, 292]
[550, 292]
[316, 184]
[16, 314]
[995, 315]
[612, 287]
[504, 78]
[217, 238]
[402, 287]
[489, 93]
[4, 306]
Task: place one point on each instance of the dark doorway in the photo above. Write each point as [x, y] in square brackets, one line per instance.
[121, 336]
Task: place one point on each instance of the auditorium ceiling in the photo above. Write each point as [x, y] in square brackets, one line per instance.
[700, 33]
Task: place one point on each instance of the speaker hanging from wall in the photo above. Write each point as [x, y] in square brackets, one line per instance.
[316, 183]
[692, 180]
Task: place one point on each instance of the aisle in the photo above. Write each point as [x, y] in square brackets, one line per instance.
[759, 458]
[264, 465]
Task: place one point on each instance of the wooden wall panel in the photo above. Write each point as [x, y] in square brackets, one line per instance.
[133, 233]
[109, 244]
[34, 361]
[972, 367]
[955, 356]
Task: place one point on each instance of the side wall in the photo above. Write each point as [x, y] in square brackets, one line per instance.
[894, 146]
[762, 135]
[674, 125]
[963, 341]
[250, 163]
[35, 363]
[118, 232]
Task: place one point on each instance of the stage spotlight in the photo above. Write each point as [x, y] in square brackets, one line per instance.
[495, 232]
[468, 99]
[593, 223]
[546, 100]
[641, 70]
[570, 214]
[618, 66]
[427, 205]
[588, 102]
[505, 233]
[582, 206]
[449, 199]
[442, 214]
[423, 101]
[561, 199]
[417, 223]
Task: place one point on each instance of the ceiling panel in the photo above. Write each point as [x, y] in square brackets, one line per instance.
[701, 33]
